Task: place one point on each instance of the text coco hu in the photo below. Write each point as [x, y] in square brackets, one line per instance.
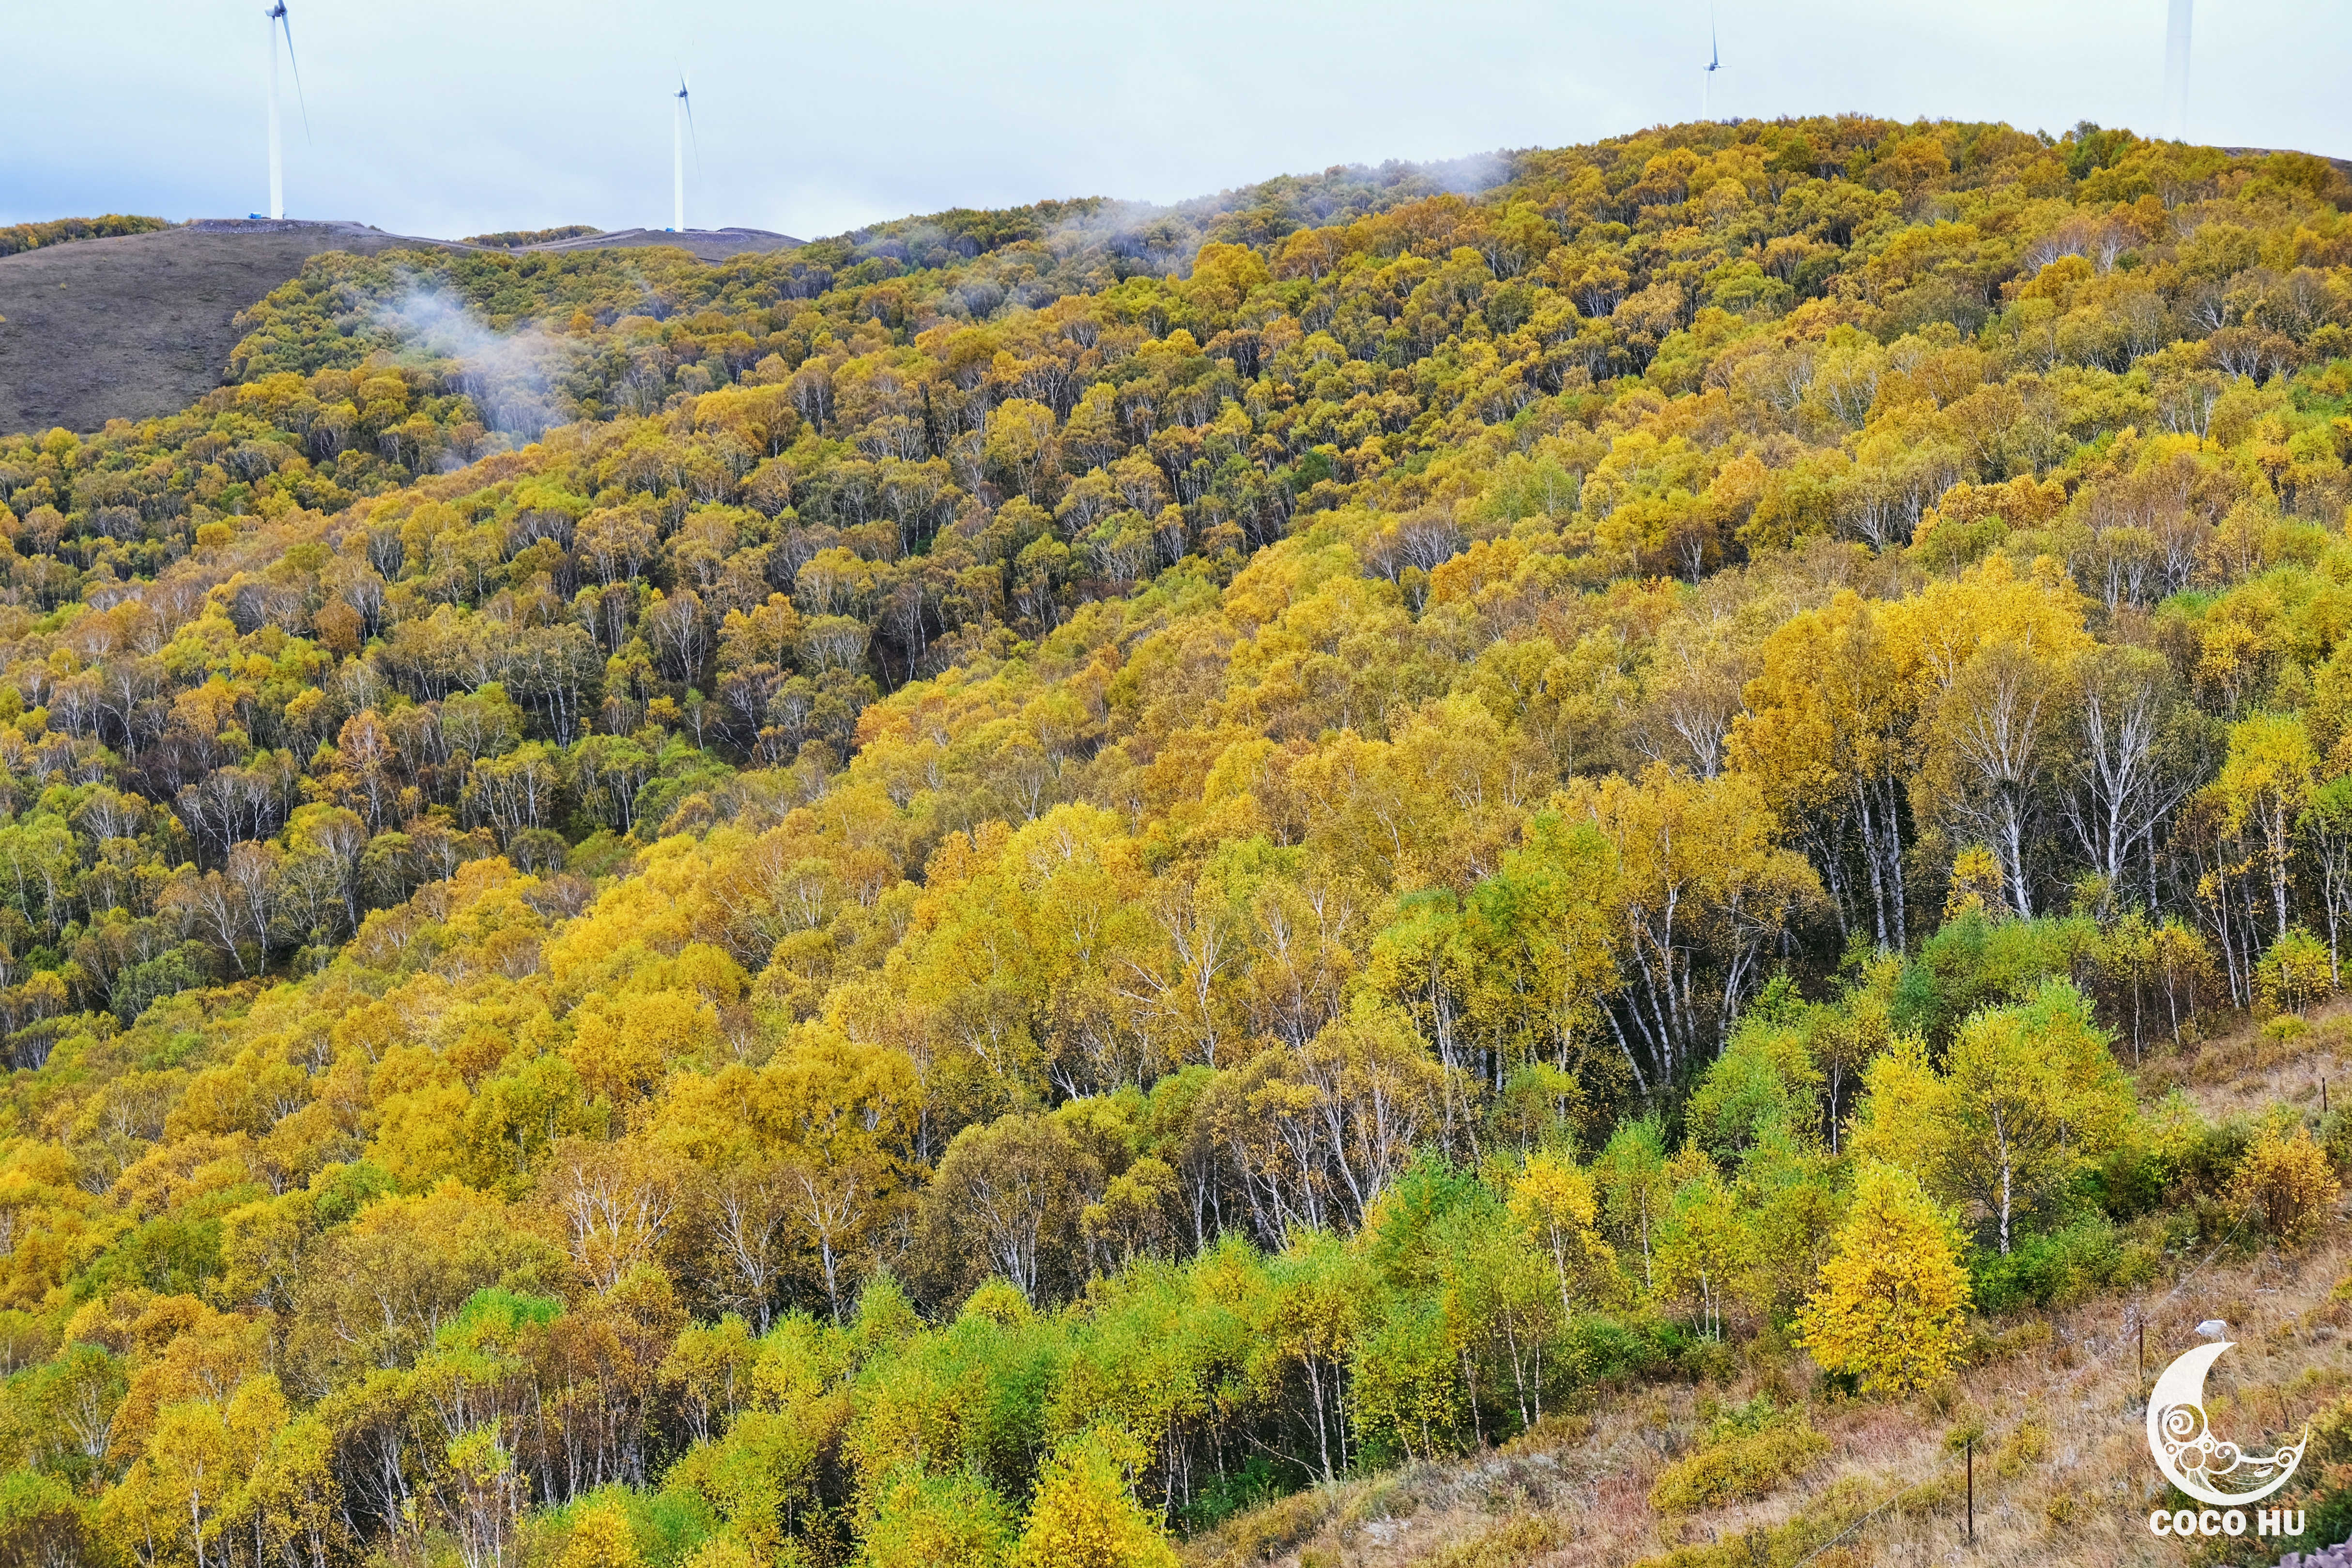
[2229, 1521]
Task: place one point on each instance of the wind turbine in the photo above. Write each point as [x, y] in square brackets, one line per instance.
[681, 127]
[276, 24]
[1713, 64]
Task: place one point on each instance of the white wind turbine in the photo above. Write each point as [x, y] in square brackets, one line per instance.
[681, 128]
[1713, 64]
[277, 25]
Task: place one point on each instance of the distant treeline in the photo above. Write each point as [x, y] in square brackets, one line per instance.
[516, 238]
[57, 231]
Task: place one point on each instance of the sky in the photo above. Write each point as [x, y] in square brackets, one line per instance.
[443, 119]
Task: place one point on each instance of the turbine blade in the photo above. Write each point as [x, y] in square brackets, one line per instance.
[690, 136]
[288, 27]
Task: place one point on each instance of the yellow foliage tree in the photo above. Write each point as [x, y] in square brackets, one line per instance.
[1976, 882]
[1888, 1308]
[923, 1521]
[602, 1538]
[1553, 1202]
[2294, 973]
[1085, 1516]
[2286, 1184]
[1904, 1111]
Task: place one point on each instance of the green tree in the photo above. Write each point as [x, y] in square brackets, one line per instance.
[1632, 1176]
[2035, 1098]
[1703, 1240]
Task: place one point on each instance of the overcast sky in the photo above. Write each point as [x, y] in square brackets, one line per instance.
[432, 117]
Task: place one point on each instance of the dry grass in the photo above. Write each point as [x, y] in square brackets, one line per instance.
[141, 325]
[2250, 1068]
[1269, 1532]
[2063, 1474]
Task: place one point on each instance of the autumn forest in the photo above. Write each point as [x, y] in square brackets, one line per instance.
[985, 891]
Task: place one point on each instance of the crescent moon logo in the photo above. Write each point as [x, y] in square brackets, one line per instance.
[2191, 1458]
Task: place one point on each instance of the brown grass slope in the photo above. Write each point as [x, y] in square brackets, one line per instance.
[139, 326]
[705, 244]
[2063, 1474]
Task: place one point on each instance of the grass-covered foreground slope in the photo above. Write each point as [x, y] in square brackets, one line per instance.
[1009, 881]
[1754, 1462]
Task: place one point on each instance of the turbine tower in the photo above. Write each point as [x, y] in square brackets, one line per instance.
[276, 22]
[681, 126]
[2176, 70]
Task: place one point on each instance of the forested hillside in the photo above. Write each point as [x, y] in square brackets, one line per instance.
[1020, 876]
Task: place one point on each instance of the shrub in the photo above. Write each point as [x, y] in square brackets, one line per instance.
[2209, 1160]
[2286, 1184]
[2027, 1446]
[2323, 1485]
[514, 238]
[1740, 1469]
[1255, 1484]
[2140, 1174]
[1262, 1533]
[1596, 1346]
[600, 1536]
[937, 1521]
[2335, 1137]
[1974, 961]
[1505, 1546]
[2062, 1268]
